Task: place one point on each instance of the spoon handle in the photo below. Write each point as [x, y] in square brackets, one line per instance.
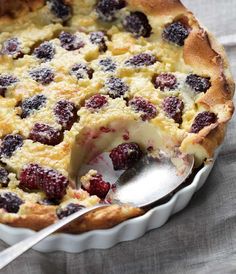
[11, 253]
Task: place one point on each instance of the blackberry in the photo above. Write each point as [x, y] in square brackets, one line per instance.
[31, 104]
[10, 144]
[70, 41]
[31, 176]
[68, 210]
[165, 81]
[10, 202]
[43, 76]
[66, 113]
[54, 184]
[46, 134]
[173, 107]
[12, 47]
[125, 155]
[198, 83]
[140, 60]
[96, 102]
[137, 23]
[175, 33]
[98, 38]
[6, 80]
[116, 87]
[81, 71]
[59, 9]
[107, 65]
[4, 180]
[45, 51]
[48, 180]
[97, 186]
[106, 9]
[202, 120]
[148, 110]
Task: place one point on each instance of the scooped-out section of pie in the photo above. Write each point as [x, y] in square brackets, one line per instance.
[79, 78]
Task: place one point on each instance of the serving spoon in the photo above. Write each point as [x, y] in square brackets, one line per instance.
[144, 185]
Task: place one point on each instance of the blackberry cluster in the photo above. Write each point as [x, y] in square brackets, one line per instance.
[46, 134]
[202, 120]
[165, 81]
[53, 183]
[6, 80]
[173, 107]
[10, 202]
[45, 51]
[97, 186]
[70, 41]
[198, 83]
[107, 65]
[98, 38]
[137, 23]
[175, 33]
[141, 60]
[60, 9]
[116, 87]
[66, 114]
[106, 9]
[96, 102]
[43, 76]
[12, 47]
[68, 210]
[31, 104]
[4, 180]
[10, 144]
[81, 71]
[125, 155]
[148, 111]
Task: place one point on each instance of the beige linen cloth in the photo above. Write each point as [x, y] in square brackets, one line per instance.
[199, 239]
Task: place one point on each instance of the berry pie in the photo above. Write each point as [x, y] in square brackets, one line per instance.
[83, 77]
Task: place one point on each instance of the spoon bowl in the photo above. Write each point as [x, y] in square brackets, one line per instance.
[151, 180]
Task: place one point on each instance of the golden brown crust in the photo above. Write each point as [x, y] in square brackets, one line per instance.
[158, 7]
[39, 216]
[12, 7]
[204, 54]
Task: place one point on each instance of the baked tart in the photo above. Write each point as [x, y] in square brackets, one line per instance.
[80, 77]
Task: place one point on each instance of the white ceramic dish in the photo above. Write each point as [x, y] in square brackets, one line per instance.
[128, 230]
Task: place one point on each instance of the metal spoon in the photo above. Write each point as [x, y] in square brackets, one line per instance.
[145, 184]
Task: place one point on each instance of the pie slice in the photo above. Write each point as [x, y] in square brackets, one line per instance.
[78, 78]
